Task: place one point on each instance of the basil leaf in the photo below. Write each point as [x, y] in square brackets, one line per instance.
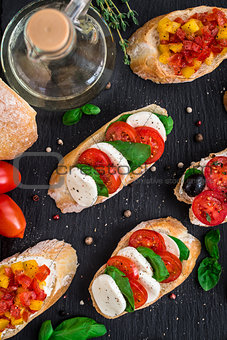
[160, 271]
[135, 153]
[190, 172]
[123, 283]
[72, 117]
[90, 171]
[166, 121]
[46, 330]
[90, 109]
[184, 251]
[211, 242]
[80, 328]
[209, 272]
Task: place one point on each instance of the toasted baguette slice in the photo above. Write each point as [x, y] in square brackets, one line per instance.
[169, 226]
[144, 53]
[18, 130]
[61, 259]
[181, 194]
[58, 188]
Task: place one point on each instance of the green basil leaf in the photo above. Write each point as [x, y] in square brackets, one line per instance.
[80, 328]
[123, 284]
[209, 272]
[190, 172]
[90, 171]
[90, 109]
[160, 271]
[123, 118]
[135, 153]
[166, 121]
[72, 117]
[184, 251]
[46, 330]
[211, 242]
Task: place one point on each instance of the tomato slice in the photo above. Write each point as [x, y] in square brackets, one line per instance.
[24, 280]
[125, 265]
[173, 265]
[147, 238]
[10, 177]
[152, 137]
[139, 293]
[42, 273]
[94, 157]
[216, 174]
[210, 207]
[121, 131]
[111, 177]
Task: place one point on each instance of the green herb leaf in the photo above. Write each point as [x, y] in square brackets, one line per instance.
[72, 117]
[184, 251]
[46, 330]
[166, 121]
[190, 172]
[208, 218]
[209, 272]
[211, 242]
[135, 153]
[160, 271]
[90, 109]
[90, 171]
[123, 283]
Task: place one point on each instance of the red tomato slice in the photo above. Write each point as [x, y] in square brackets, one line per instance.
[10, 177]
[210, 207]
[12, 220]
[125, 265]
[139, 293]
[94, 157]
[147, 238]
[26, 297]
[24, 280]
[173, 265]
[216, 174]
[121, 131]
[152, 137]
[42, 273]
[111, 177]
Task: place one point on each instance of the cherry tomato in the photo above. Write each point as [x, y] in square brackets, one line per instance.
[152, 137]
[121, 131]
[125, 265]
[173, 265]
[210, 207]
[147, 238]
[94, 157]
[139, 293]
[12, 220]
[42, 273]
[10, 177]
[110, 177]
[216, 174]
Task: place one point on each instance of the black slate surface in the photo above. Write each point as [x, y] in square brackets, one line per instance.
[194, 314]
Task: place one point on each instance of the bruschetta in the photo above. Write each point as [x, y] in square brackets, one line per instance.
[33, 281]
[204, 185]
[114, 156]
[149, 262]
[180, 46]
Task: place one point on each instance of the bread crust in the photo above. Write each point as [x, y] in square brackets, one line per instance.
[64, 259]
[61, 195]
[144, 53]
[169, 226]
[18, 129]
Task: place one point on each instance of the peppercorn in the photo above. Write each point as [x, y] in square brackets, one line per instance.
[88, 240]
[35, 198]
[198, 123]
[108, 86]
[167, 167]
[56, 217]
[198, 137]
[127, 213]
[63, 313]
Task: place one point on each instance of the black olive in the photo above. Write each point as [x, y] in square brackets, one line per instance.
[194, 185]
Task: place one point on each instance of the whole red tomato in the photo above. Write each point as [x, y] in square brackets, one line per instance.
[10, 177]
[12, 220]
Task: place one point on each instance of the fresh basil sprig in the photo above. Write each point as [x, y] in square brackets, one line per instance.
[184, 251]
[90, 171]
[73, 116]
[190, 172]
[80, 328]
[123, 284]
[211, 242]
[166, 121]
[209, 272]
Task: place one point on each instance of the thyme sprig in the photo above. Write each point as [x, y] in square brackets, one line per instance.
[116, 19]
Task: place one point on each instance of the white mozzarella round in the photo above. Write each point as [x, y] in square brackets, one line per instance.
[145, 118]
[108, 296]
[171, 245]
[141, 263]
[82, 187]
[151, 285]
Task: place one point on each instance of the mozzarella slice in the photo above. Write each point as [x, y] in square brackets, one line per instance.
[108, 296]
[82, 187]
[151, 285]
[145, 118]
[139, 260]
[171, 245]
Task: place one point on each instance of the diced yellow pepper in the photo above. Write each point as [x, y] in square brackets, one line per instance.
[167, 25]
[163, 48]
[3, 324]
[7, 314]
[4, 281]
[164, 58]
[196, 64]
[224, 51]
[42, 284]
[36, 305]
[16, 322]
[209, 59]
[17, 266]
[222, 33]
[199, 23]
[191, 26]
[163, 24]
[176, 47]
[164, 35]
[31, 268]
[2, 270]
[187, 71]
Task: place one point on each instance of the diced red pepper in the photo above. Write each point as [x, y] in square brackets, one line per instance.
[223, 42]
[215, 48]
[24, 280]
[3, 307]
[8, 272]
[204, 54]
[42, 273]
[180, 34]
[15, 312]
[26, 297]
[25, 316]
[220, 17]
